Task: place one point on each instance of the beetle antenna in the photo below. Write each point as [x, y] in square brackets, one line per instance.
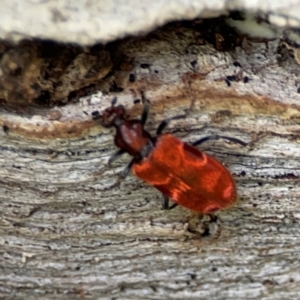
[146, 108]
[114, 101]
[144, 99]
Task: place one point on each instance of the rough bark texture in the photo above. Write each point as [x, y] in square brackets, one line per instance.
[70, 228]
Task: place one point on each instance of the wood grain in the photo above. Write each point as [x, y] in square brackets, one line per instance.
[70, 228]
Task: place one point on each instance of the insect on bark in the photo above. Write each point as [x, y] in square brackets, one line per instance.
[181, 172]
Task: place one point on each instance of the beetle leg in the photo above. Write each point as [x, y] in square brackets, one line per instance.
[146, 109]
[217, 137]
[115, 156]
[165, 203]
[165, 123]
[213, 218]
[126, 171]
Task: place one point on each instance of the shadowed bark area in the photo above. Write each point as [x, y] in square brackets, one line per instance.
[70, 228]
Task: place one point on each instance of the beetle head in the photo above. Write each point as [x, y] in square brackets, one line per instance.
[113, 115]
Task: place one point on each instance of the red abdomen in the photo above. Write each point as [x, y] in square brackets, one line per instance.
[188, 176]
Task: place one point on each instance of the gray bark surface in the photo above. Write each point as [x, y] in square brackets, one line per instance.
[70, 228]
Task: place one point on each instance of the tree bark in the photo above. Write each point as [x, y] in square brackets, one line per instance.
[71, 228]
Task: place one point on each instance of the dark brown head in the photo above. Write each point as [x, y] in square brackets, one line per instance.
[113, 115]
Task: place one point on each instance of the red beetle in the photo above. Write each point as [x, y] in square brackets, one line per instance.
[190, 177]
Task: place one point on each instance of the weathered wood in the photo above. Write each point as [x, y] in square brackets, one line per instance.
[70, 228]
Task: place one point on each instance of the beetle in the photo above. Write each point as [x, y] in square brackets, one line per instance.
[181, 172]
